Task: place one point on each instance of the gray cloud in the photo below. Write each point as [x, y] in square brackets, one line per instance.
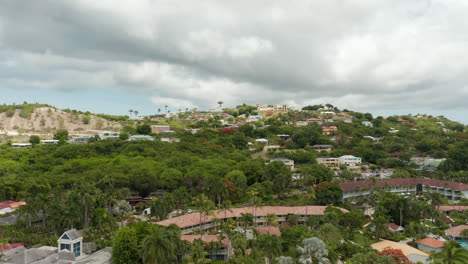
[365, 55]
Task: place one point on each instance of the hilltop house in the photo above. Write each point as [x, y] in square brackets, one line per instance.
[367, 124]
[161, 129]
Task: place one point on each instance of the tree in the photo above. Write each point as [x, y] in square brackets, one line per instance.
[197, 255]
[279, 174]
[316, 173]
[284, 260]
[247, 219]
[328, 192]
[313, 250]
[220, 103]
[61, 134]
[34, 139]
[396, 254]
[124, 136]
[205, 206]
[271, 245]
[161, 246]
[370, 257]
[144, 129]
[122, 209]
[125, 247]
[451, 255]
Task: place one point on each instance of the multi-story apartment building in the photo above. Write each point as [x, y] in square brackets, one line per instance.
[194, 222]
[453, 191]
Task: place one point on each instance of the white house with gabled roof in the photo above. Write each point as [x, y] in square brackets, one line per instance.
[71, 241]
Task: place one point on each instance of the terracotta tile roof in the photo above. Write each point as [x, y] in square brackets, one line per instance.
[392, 226]
[268, 230]
[407, 250]
[10, 246]
[431, 242]
[446, 208]
[456, 231]
[12, 204]
[350, 186]
[193, 219]
[205, 238]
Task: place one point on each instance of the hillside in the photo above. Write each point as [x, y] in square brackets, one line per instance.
[18, 122]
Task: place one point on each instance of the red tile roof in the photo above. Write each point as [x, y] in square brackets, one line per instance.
[350, 186]
[193, 219]
[431, 242]
[392, 226]
[205, 238]
[268, 230]
[10, 246]
[456, 231]
[12, 204]
[446, 208]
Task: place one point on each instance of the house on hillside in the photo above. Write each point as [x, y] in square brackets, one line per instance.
[319, 148]
[109, 135]
[140, 138]
[161, 129]
[285, 161]
[328, 161]
[327, 130]
[349, 160]
[21, 145]
[78, 140]
[367, 124]
[222, 252]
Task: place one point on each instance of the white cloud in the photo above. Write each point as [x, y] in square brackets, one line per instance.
[365, 55]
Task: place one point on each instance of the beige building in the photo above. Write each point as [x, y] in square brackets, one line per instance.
[328, 161]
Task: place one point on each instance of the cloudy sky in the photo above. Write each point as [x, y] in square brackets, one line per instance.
[109, 56]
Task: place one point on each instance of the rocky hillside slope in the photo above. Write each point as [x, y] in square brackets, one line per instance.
[45, 120]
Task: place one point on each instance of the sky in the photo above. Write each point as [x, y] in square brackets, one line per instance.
[378, 56]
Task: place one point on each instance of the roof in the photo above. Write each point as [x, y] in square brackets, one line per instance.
[456, 231]
[10, 246]
[407, 250]
[351, 186]
[72, 234]
[268, 230]
[193, 219]
[205, 238]
[103, 256]
[392, 226]
[446, 208]
[10, 203]
[431, 242]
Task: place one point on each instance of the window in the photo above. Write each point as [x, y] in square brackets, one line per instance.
[65, 246]
[77, 249]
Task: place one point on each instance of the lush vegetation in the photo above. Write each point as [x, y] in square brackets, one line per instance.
[85, 186]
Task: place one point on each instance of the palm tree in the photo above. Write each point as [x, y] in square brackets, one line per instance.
[220, 103]
[160, 246]
[272, 220]
[130, 112]
[255, 200]
[197, 254]
[136, 113]
[451, 255]
[205, 206]
[271, 245]
[247, 219]
[87, 191]
[159, 110]
[165, 106]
